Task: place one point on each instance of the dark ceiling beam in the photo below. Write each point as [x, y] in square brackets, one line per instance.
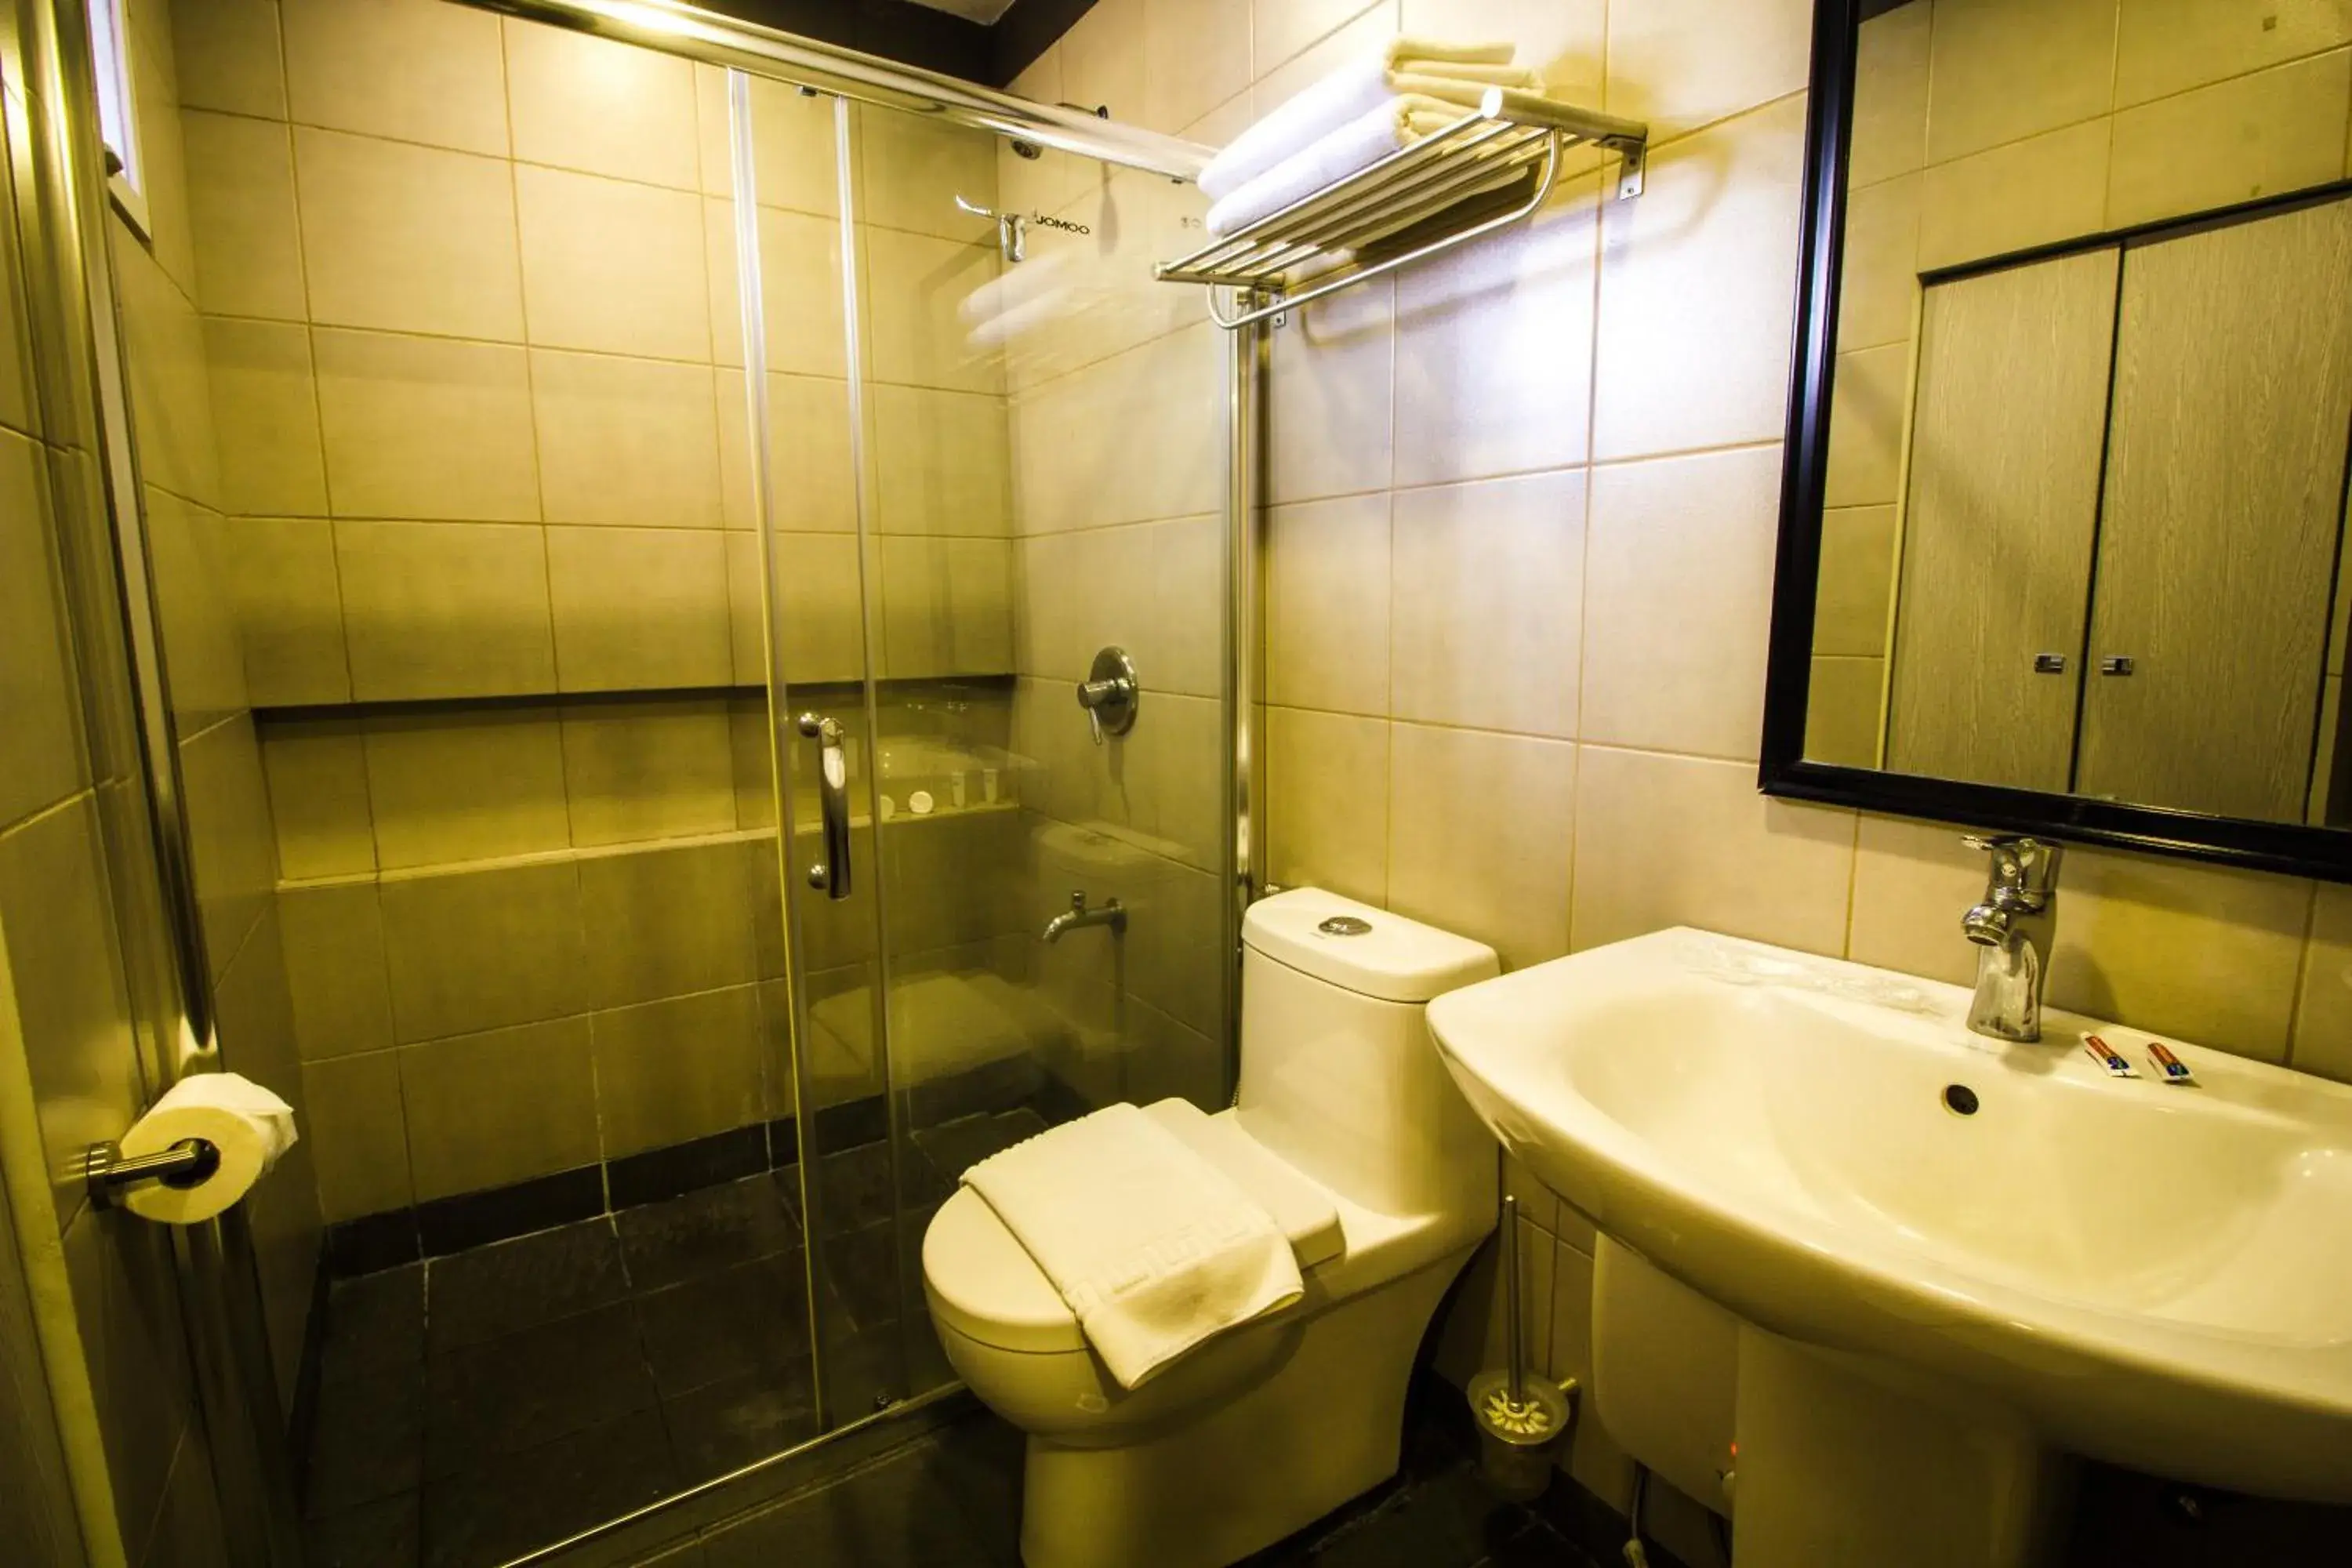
[917, 36]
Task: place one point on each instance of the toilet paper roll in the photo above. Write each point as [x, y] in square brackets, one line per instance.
[250, 1126]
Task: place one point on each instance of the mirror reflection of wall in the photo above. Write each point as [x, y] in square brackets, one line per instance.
[2085, 488]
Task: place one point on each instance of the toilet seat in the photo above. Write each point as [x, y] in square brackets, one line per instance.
[984, 1285]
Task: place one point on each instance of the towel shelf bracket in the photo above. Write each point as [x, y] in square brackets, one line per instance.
[1495, 166]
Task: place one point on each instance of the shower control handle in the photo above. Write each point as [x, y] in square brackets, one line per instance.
[1109, 694]
[831, 873]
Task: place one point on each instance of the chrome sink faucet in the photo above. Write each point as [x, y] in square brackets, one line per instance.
[1111, 913]
[2015, 925]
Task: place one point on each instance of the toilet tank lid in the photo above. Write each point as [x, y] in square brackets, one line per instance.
[1393, 957]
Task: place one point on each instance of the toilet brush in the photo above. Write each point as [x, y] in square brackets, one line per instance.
[1520, 1419]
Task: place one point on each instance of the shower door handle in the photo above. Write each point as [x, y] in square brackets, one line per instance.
[831, 872]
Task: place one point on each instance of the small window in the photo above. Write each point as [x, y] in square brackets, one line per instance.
[118, 117]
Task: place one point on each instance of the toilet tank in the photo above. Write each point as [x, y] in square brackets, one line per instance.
[1340, 1075]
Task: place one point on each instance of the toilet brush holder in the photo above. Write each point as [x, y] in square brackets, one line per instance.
[1521, 1420]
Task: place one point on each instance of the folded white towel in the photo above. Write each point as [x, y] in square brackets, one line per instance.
[1362, 141]
[1453, 72]
[1154, 1249]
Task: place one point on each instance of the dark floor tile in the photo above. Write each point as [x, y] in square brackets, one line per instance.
[865, 1370]
[854, 1123]
[723, 1325]
[979, 1461]
[376, 1319]
[1541, 1546]
[369, 1439]
[894, 1514]
[854, 1188]
[1451, 1521]
[2124, 1520]
[863, 1270]
[470, 1220]
[493, 1292]
[685, 1168]
[380, 1534]
[701, 1233]
[728, 1425]
[541, 1495]
[504, 1395]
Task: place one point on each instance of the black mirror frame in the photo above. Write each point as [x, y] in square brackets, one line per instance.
[2290, 847]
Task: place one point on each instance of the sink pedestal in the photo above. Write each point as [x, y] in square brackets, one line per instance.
[1846, 1463]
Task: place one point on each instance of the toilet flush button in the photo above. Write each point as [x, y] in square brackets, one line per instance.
[1345, 925]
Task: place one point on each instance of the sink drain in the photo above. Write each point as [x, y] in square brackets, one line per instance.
[1959, 1100]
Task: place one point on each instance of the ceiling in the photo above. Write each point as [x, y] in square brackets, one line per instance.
[984, 12]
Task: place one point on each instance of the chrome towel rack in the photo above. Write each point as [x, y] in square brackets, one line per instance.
[1328, 241]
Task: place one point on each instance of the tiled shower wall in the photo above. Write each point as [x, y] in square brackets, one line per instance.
[470, 313]
[1525, 507]
[2136, 114]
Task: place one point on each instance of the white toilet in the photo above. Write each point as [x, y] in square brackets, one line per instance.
[1350, 1133]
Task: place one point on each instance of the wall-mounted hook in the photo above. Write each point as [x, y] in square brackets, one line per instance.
[1011, 229]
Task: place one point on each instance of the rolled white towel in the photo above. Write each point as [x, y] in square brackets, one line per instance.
[1362, 141]
[1453, 72]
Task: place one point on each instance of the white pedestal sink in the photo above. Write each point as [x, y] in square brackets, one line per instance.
[1948, 1263]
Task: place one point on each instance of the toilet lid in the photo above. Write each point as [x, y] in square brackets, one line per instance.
[983, 1283]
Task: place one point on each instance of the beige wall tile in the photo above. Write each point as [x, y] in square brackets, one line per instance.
[671, 1071]
[444, 610]
[1878, 291]
[1328, 605]
[265, 400]
[1681, 64]
[911, 168]
[1911, 882]
[611, 266]
[360, 1133]
[791, 143]
[407, 238]
[69, 999]
[1486, 608]
[490, 1110]
[416, 427]
[946, 606]
[1103, 62]
[2031, 192]
[241, 209]
[2323, 1019]
[1869, 413]
[2278, 130]
[480, 950]
[1198, 56]
[800, 267]
[823, 611]
[943, 462]
[1184, 637]
[281, 576]
[1480, 837]
[1857, 581]
[1697, 284]
[2006, 69]
[626, 440]
[43, 761]
[2169, 46]
[600, 107]
[1677, 601]
[919, 338]
[408, 68]
[171, 401]
[1494, 351]
[1890, 95]
[656, 769]
[639, 607]
[335, 971]
[198, 615]
[810, 465]
[466, 785]
[1663, 841]
[666, 922]
[228, 56]
[1330, 398]
[1560, 38]
[316, 773]
[2199, 953]
[1280, 28]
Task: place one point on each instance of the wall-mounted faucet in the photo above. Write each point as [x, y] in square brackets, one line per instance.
[2015, 925]
[1111, 913]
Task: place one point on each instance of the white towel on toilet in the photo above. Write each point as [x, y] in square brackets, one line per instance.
[1154, 1249]
[1456, 73]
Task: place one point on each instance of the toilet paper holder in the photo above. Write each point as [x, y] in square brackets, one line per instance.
[106, 1171]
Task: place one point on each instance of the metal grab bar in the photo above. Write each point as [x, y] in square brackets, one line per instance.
[831, 872]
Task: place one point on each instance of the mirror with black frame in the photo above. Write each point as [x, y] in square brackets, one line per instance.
[2064, 533]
